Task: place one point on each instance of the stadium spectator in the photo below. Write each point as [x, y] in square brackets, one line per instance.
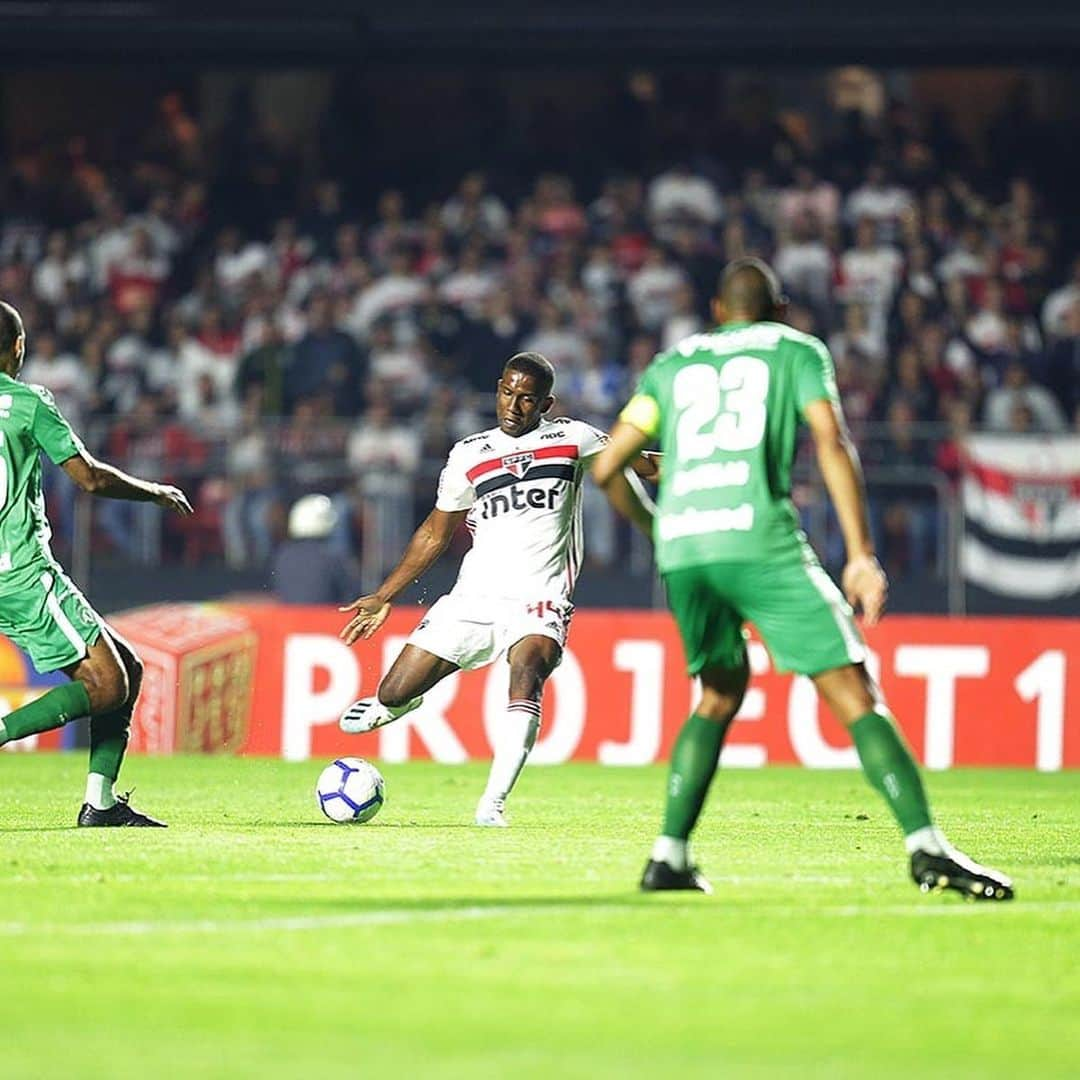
[251, 492]
[62, 273]
[653, 289]
[384, 457]
[1058, 304]
[680, 193]
[904, 510]
[1018, 392]
[62, 374]
[870, 271]
[554, 337]
[1063, 367]
[473, 210]
[878, 200]
[327, 367]
[397, 291]
[967, 259]
[470, 284]
[398, 368]
[804, 263]
[809, 197]
[307, 568]
[262, 373]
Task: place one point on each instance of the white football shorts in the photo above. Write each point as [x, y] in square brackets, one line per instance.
[472, 631]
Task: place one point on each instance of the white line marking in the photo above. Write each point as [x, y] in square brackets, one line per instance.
[387, 917]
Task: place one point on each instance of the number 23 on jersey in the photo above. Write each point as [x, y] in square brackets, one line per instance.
[720, 408]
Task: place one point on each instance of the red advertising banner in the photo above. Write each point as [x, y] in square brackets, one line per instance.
[272, 680]
[966, 692]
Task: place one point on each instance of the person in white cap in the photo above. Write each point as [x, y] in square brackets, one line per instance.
[308, 568]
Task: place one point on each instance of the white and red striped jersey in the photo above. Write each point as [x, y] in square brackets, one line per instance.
[524, 500]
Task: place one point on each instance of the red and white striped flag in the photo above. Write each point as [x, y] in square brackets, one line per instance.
[1021, 499]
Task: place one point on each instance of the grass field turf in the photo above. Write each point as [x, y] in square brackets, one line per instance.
[251, 939]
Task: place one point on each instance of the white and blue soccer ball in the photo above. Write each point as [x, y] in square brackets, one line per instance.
[350, 789]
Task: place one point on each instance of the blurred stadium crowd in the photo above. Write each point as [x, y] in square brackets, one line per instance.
[206, 311]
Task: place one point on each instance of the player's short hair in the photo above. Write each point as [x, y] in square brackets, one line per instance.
[11, 329]
[750, 285]
[539, 367]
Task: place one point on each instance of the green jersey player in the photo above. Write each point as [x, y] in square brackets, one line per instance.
[41, 610]
[725, 407]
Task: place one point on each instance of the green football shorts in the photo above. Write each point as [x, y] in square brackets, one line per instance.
[47, 616]
[799, 612]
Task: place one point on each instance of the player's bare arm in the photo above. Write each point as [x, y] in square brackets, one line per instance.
[609, 467]
[107, 481]
[864, 582]
[429, 541]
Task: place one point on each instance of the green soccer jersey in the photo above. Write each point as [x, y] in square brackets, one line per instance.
[30, 423]
[726, 406]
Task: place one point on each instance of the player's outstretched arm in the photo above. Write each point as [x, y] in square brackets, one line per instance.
[427, 544]
[109, 482]
[609, 470]
[864, 582]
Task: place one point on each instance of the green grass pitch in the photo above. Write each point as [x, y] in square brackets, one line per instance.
[254, 940]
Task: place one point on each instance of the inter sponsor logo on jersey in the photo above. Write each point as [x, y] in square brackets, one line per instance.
[516, 499]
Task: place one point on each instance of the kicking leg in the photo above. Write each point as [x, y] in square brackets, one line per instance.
[694, 760]
[402, 690]
[531, 660]
[891, 770]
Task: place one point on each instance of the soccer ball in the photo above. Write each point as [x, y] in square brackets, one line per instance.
[350, 789]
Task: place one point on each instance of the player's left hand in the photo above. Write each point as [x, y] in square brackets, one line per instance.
[371, 613]
[172, 498]
[866, 586]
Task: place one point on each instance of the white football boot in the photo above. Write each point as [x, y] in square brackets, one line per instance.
[370, 713]
[491, 814]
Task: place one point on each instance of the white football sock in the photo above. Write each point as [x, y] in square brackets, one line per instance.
[929, 839]
[673, 851]
[519, 729]
[3, 733]
[99, 791]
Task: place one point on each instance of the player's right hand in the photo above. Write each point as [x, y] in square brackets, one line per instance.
[172, 498]
[866, 587]
[371, 612]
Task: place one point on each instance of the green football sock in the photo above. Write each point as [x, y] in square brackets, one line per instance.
[693, 762]
[51, 710]
[108, 741]
[891, 770]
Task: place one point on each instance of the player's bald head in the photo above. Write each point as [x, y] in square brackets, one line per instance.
[539, 367]
[11, 331]
[749, 289]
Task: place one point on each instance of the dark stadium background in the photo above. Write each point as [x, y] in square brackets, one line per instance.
[413, 96]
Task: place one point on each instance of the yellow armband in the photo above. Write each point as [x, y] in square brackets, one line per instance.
[643, 412]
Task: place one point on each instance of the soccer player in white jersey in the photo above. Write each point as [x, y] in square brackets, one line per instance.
[517, 487]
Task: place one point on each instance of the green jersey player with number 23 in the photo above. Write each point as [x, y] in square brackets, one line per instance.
[726, 407]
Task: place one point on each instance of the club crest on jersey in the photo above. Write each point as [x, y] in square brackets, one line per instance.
[518, 464]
